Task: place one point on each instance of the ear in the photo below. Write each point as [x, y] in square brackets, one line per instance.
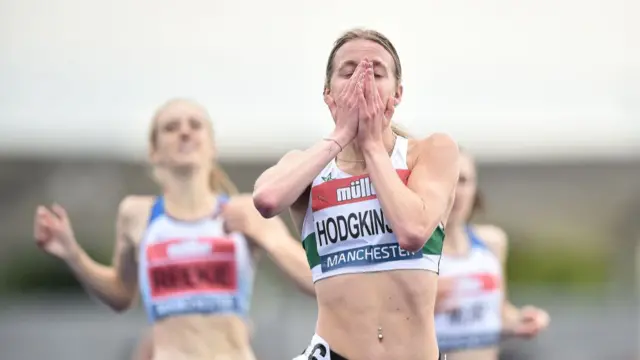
[331, 103]
[326, 95]
[397, 98]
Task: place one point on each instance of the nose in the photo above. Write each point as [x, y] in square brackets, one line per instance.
[185, 130]
[184, 135]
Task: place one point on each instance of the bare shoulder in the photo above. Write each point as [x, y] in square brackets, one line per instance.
[494, 237]
[133, 206]
[437, 143]
[133, 212]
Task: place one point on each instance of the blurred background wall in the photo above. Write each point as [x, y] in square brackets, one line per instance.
[544, 93]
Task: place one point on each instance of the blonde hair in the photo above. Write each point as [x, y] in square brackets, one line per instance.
[219, 181]
[363, 34]
[400, 131]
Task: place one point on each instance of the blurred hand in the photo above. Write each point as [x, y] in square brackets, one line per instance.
[53, 233]
[241, 215]
[532, 321]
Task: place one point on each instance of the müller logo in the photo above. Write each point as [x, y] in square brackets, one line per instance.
[189, 248]
[360, 188]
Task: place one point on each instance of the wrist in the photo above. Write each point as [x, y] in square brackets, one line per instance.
[372, 148]
[74, 256]
[341, 137]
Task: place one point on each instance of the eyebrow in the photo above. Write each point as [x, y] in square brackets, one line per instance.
[353, 63]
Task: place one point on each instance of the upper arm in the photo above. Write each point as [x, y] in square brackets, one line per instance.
[298, 210]
[495, 239]
[129, 227]
[435, 172]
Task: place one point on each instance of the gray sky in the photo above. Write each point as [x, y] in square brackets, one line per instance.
[505, 78]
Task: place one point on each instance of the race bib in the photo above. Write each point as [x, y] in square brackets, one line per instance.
[195, 266]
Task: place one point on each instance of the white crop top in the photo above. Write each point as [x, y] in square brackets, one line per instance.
[345, 231]
[476, 318]
[193, 267]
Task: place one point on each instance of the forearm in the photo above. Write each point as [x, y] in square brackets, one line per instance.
[283, 184]
[411, 220]
[101, 281]
[289, 256]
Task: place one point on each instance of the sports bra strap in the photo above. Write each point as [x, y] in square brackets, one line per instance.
[157, 209]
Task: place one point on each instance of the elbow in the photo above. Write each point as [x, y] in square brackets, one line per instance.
[311, 292]
[411, 244]
[265, 202]
[120, 306]
[122, 301]
[414, 237]
[308, 288]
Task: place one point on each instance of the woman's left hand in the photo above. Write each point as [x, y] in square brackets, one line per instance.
[374, 114]
[532, 321]
[240, 215]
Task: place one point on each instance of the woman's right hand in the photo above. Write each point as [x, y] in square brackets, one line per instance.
[344, 108]
[53, 232]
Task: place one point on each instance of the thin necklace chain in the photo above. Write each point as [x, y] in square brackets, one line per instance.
[395, 138]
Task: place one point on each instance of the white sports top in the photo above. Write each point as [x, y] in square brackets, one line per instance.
[193, 267]
[344, 229]
[476, 321]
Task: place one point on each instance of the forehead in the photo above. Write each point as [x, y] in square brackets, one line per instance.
[356, 50]
[467, 166]
[179, 110]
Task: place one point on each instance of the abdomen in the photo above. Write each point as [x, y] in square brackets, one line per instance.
[353, 309]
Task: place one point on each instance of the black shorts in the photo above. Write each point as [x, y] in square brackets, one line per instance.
[334, 356]
[318, 349]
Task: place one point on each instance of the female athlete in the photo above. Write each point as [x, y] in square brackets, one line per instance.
[472, 314]
[191, 251]
[370, 205]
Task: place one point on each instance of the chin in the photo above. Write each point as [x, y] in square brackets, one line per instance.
[185, 164]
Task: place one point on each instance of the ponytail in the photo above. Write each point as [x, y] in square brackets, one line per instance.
[400, 131]
[220, 182]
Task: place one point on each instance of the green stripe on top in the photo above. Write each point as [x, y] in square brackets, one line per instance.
[433, 246]
[311, 248]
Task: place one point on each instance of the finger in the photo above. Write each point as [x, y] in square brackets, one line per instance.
[527, 329]
[41, 235]
[390, 107]
[352, 101]
[60, 212]
[546, 319]
[352, 80]
[362, 104]
[37, 220]
[227, 227]
[371, 91]
[355, 81]
[45, 218]
[328, 99]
